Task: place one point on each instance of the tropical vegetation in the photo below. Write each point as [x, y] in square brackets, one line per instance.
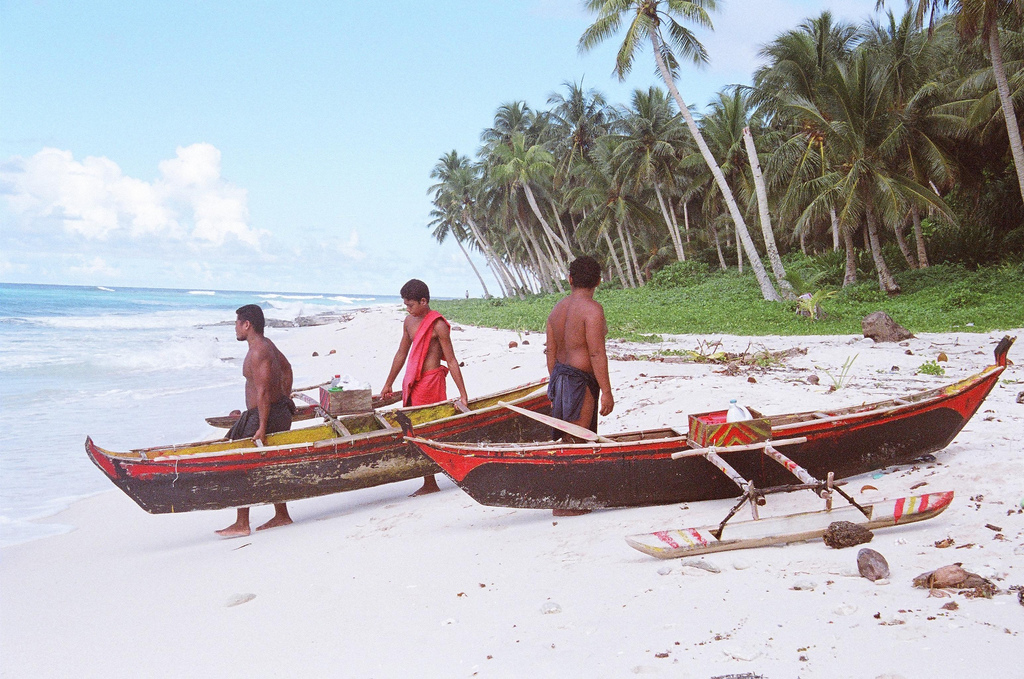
[689, 298]
[872, 152]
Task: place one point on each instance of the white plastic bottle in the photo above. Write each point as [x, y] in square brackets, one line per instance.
[737, 413]
[336, 382]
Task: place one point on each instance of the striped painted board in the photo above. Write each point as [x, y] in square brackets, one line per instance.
[668, 544]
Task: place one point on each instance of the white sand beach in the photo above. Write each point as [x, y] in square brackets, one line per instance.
[373, 583]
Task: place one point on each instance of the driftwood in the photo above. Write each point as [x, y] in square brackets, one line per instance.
[709, 353]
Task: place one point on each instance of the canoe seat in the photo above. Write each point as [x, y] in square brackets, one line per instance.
[383, 422]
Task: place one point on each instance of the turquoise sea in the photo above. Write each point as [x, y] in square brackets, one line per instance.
[111, 363]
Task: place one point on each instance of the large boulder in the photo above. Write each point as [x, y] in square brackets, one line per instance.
[880, 327]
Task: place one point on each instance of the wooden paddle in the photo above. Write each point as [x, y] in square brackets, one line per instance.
[561, 425]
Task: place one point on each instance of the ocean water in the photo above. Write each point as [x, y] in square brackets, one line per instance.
[111, 363]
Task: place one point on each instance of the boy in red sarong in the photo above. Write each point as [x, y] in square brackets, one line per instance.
[426, 340]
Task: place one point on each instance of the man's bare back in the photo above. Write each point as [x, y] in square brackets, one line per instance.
[576, 330]
[575, 324]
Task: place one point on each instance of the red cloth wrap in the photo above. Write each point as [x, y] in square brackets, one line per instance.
[412, 392]
[430, 388]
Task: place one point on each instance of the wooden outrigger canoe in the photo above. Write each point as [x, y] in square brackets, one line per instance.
[637, 468]
[313, 461]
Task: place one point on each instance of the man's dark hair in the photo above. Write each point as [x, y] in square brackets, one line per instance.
[416, 290]
[254, 314]
[585, 272]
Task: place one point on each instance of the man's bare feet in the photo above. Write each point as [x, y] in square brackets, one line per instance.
[240, 528]
[569, 512]
[235, 530]
[429, 486]
[281, 517]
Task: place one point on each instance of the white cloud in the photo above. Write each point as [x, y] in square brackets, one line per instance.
[93, 199]
[350, 249]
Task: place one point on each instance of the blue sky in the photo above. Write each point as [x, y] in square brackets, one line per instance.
[284, 146]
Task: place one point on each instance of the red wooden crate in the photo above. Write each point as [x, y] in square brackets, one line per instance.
[711, 429]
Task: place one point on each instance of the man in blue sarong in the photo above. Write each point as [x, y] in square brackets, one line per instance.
[577, 362]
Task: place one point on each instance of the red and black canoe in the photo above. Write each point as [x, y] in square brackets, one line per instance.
[636, 468]
[313, 461]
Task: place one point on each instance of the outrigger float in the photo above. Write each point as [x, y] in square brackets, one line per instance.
[348, 452]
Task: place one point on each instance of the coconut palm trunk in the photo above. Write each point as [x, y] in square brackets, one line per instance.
[543, 222]
[995, 49]
[850, 274]
[766, 219]
[904, 247]
[636, 262]
[739, 255]
[625, 255]
[558, 220]
[922, 252]
[718, 247]
[487, 295]
[675, 227]
[767, 289]
[885, 280]
[672, 231]
[533, 249]
[615, 258]
[497, 266]
[835, 228]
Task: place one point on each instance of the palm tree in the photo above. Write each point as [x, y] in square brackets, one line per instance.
[646, 152]
[797, 61]
[926, 131]
[981, 17]
[444, 223]
[519, 166]
[511, 118]
[454, 194]
[858, 120]
[579, 119]
[609, 208]
[648, 18]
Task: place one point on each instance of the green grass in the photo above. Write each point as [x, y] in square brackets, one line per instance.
[937, 299]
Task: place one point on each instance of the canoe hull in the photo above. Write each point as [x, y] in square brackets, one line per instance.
[172, 480]
[636, 469]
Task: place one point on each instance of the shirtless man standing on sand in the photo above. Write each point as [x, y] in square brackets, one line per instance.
[577, 363]
[426, 340]
[268, 388]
